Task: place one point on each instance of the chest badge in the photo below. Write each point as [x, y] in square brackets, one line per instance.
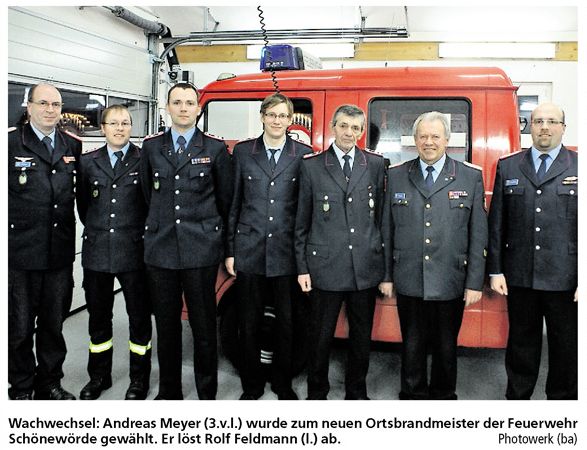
[22, 178]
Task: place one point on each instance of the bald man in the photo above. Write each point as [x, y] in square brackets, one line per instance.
[533, 257]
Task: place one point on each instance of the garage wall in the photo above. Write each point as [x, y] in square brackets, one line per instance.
[81, 47]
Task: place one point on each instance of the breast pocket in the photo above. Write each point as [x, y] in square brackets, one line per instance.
[400, 211]
[514, 200]
[22, 179]
[325, 203]
[567, 201]
[158, 178]
[200, 176]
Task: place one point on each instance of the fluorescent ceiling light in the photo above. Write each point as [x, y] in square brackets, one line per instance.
[517, 50]
[320, 50]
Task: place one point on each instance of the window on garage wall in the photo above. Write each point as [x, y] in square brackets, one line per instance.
[391, 121]
[237, 120]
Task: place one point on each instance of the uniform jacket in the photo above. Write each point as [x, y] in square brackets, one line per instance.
[188, 202]
[338, 237]
[263, 210]
[533, 226]
[113, 210]
[435, 240]
[41, 220]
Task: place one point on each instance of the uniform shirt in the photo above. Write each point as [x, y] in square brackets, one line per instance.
[187, 136]
[339, 154]
[551, 153]
[113, 157]
[277, 153]
[41, 135]
[438, 165]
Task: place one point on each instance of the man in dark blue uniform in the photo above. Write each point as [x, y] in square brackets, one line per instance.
[339, 248]
[112, 207]
[533, 257]
[42, 163]
[261, 244]
[187, 181]
[435, 233]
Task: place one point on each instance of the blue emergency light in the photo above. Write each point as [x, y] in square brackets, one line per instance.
[287, 57]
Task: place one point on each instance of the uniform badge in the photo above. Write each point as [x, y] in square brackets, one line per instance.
[203, 160]
[325, 204]
[156, 184]
[371, 203]
[453, 195]
[570, 180]
[399, 195]
[95, 193]
[22, 178]
[68, 159]
[512, 182]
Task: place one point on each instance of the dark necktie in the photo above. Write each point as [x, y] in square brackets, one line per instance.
[346, 168]
[542, 169]
[118, 163]
[429, 178]
[181, 149]
[47, 142]
[272, 162]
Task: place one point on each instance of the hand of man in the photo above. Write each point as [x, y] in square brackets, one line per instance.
[577, 295]
[229, 263]
[498, 284]
[386, 288]
[472, 297]
[305, 282]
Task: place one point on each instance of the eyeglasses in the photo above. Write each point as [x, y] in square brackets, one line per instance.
[44, 104]
[118, 124]
[273, 116]
[549, 122]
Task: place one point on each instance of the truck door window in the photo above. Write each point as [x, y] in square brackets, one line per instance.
[236, 120]
[391, 121]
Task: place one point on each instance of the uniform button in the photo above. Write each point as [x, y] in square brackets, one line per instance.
[271, 201]
[178, 221]
[135, 182]
[426, 257]
[54, 225]
[352, 230]
[270, 235]
[427, 241]
[111, 230]
[270, 219]
[427, 205]
[537, 247]
[539, 191]
[113, 200]
[176, 191]
[350, 199]
[55, 206]
[461, 205]
[293, 179]
[156, 174]
[272, 183]
[216, 228]
[11, 225]
[53, 171]
[427, 224]
[350, 247]
[507, 245]
[314, 253]
[112, 215]
[538, 209]
[572, 192]
[113, 186]
[176, 206]
[326, 197]
[201, 174]
[250, 178]
[95, 183]
[146, 227]
[537, 229]
[177, 177]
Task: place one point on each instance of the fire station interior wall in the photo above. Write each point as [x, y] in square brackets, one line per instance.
[85, 46]
[554, 81]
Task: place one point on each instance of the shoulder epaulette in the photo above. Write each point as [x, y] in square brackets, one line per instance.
[246, 140]
[473, 166]
[11, 129]
[373, 152]
[151, 136]
[75, 136]
[213, 137]
[92, 150]
[510, 154]
[396, 164]
[311, 155]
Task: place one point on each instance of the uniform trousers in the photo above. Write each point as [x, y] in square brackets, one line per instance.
[255, 292]
[428, 324]
[325, 308]
[198, 286]
[43, 296]
[527, 310]
[99, 287]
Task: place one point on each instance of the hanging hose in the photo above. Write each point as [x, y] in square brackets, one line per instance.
[264, 32]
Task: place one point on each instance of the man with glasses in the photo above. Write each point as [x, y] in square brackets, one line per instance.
[261, 247]
[187, 181]
[112, 208]
[533, 257]
[42, 162]
[339, 248]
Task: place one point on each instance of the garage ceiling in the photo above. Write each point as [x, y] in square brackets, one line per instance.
[476, 24]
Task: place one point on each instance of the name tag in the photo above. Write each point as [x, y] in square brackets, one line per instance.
[570, 180]
[68, 159]
[512, 182]
[399, 195]
[204, 160]
[22, 164]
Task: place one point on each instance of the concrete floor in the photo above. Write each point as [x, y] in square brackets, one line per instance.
[481, 372]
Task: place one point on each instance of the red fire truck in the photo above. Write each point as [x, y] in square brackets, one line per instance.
[480, 103]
